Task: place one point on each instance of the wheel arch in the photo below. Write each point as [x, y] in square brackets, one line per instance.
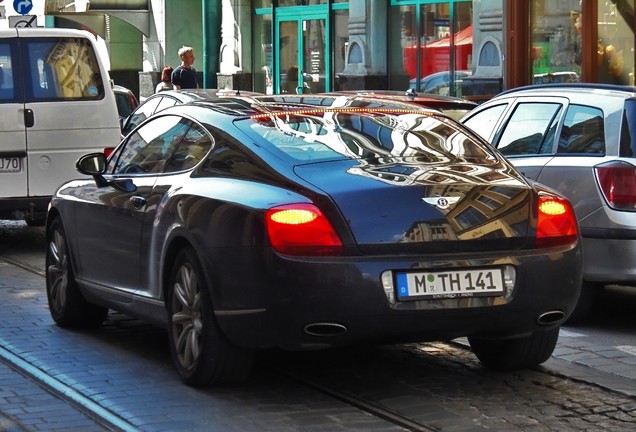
[176, 244]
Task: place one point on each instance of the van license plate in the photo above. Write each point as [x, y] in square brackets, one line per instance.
[449, 284]
[10, 164]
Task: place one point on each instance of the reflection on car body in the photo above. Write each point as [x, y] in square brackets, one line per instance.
[451, 106]
[579, 140]
[312, 221]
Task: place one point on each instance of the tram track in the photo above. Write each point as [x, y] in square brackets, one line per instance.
[319, 372]
[113, 422]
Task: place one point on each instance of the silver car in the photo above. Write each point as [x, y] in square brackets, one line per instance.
[581, 140]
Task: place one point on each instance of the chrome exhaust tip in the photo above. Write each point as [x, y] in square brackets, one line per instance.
[550, 317]
[325, 329]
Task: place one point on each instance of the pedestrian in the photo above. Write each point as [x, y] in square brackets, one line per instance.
[166, 80]
[185, 76]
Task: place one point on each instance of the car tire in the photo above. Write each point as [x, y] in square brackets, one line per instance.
[518, 353]
[590, 293]
[67, 305]
[200, 351]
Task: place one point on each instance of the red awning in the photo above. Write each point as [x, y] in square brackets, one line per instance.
[463, 37]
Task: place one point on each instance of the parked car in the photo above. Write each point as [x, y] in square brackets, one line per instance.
[439, 82]
[451, 106]
[556, 77]
[304, 222]
[162, 100]
[126, 101]
[579, 139]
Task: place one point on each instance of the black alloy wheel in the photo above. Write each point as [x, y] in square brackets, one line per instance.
[201, 353]
[67, 305]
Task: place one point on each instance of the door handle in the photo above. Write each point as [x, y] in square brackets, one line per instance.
[29, 118]
[138, 201]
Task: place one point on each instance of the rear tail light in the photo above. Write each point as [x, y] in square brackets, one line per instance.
[617, 181]
[556, 223]
[108, 151]
[301, 229]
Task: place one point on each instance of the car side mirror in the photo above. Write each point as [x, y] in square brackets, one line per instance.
[91, 164]
[94, 164]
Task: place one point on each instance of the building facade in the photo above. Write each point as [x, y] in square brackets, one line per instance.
[469, 48]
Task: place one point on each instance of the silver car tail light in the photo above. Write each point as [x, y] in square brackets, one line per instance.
[617, 181]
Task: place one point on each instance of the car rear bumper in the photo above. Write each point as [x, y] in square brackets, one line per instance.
[610, 260]
[309, 303]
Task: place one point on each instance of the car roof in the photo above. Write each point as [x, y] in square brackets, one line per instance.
[427, 99]
[188, 95]
[246, 106]
[549, 89]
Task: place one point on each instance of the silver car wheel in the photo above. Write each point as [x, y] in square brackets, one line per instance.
[187, 323]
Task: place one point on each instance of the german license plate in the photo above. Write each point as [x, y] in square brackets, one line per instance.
[10, 164]
[449, 284]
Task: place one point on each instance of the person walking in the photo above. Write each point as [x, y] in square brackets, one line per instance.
[166, 80]
[184, 76]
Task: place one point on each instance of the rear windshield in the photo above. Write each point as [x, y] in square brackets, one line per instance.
[362, 134]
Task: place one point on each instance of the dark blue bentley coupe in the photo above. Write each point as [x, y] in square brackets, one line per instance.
[246, 223]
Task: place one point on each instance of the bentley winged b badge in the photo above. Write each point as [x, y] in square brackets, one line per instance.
[441, 202]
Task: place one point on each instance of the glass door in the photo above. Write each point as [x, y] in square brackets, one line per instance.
[301, 53]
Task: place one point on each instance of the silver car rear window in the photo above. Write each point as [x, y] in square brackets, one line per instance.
[628, 130]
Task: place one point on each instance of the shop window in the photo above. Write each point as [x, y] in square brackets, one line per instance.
[556, 40]
[434, 43]
[615, 53]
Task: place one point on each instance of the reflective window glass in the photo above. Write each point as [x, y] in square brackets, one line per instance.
[556, 40]
[420, 53]
[144, 111]
[526, 131]
[615, 56]
[583, 131]
[484, 122]
[63, 68]
[7, 87]
[192, 148]
[148, 149]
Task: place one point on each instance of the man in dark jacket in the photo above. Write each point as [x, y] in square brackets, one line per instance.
[185, 76]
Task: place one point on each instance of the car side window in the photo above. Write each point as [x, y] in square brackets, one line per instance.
[485, 121]
[530, 129]
[192, 148]
[583, 131]
[166, 102]
[149, 148]
[144, 111]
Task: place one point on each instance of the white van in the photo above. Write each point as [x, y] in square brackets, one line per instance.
[56, 104]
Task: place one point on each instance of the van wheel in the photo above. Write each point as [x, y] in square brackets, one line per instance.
[200, 351]
[66, 303]
[36, 220]
[518, 353]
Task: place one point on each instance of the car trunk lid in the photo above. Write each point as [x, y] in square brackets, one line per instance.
[404, 206]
